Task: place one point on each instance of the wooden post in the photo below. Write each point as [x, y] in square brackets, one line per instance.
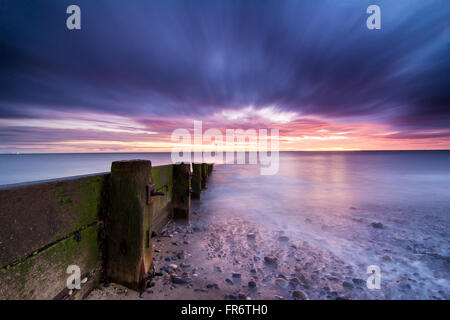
[196, 180]
[181, 191]
[204, 175]
[128, 223]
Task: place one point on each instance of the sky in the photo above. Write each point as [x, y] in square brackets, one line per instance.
[138, 70]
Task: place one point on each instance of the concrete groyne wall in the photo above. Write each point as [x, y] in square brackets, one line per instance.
[101, 223]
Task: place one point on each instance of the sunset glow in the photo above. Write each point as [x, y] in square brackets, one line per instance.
[108, 133]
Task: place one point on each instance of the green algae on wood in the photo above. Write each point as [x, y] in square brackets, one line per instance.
[43, 275]
[162, 179]
[34, 216]
[181, 191]
[92, 199]
[128, 223]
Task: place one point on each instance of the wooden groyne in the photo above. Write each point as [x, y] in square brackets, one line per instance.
[103, 224]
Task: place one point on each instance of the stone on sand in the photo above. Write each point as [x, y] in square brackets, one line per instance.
[298, 294]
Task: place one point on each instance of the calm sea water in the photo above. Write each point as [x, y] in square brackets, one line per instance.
[20, 168]
[329, 199]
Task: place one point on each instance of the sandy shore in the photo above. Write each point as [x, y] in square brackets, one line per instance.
[218, 257]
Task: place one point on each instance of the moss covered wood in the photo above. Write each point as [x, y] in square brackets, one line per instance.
[43, 275]
[162, 177]
[33, 216]
[181, 191]
[129, 223]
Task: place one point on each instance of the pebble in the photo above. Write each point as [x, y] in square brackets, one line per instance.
[180, 255]
[121, 291]
[242, 296]
[377, 225]
[294, 282]
[179, 280]
[251, 236]
[236, 275]
[358, 282]
[252, 284]
[173, 266]
[331, 278]
[270, 260]
[280, 282]
[227, 280]
[212, 286]
[283, 239]
[347, 285]
[298, 294]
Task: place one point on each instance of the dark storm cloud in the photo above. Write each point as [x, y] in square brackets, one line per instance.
[175, 58]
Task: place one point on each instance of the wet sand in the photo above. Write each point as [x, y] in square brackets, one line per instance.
[218, 257]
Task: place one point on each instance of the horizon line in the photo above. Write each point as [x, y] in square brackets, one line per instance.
[224, 151]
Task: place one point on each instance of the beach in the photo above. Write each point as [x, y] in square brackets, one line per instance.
[236, 259]
[311, 231]
[251, 239]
